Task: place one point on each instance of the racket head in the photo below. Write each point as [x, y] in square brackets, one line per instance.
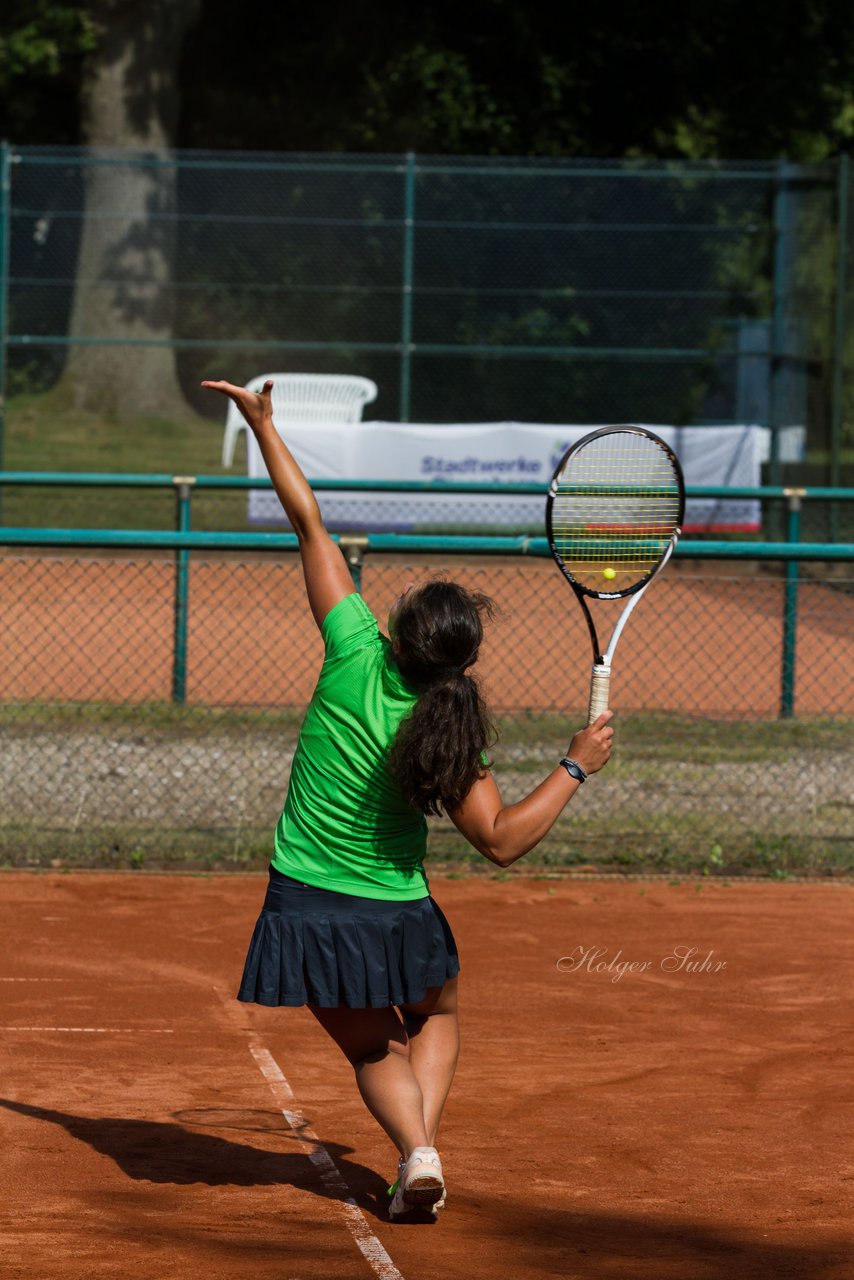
[614, 510]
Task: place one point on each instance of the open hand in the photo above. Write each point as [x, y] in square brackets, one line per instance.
[591, 747]
[256, 406]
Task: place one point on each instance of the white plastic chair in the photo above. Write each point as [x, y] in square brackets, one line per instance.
[304, 397]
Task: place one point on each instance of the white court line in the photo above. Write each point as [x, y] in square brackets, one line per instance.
[35, 979]
[374, 1253]
[102, 1031]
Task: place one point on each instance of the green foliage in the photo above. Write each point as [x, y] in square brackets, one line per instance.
[38, 36]
[42, 46]
[439, 86]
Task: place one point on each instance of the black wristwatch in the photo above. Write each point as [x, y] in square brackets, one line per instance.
[574, 769]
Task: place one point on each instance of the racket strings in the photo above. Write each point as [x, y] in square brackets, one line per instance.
[615, 506]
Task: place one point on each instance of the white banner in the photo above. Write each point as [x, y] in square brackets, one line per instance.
[497, 453]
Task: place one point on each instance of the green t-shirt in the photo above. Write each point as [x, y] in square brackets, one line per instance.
[346, 825]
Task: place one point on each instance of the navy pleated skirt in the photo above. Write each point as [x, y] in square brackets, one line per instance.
[315, 946]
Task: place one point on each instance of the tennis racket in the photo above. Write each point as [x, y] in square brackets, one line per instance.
[613, 514]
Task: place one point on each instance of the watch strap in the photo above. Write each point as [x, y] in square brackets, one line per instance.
[574, 769]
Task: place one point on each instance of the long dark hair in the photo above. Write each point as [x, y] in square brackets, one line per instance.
[437, 753]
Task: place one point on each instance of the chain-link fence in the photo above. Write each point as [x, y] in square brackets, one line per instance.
[101, 766]
[467, 289]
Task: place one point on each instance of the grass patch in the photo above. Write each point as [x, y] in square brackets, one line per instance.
[45, 432]
[526, 741]
[29, 845]
[132, 847]
[168, 718]
[663, 738]
[747, 853]
[136, 849]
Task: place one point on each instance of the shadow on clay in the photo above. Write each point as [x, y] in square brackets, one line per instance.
[180, 1153]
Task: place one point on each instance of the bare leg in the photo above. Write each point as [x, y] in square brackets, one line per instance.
[376, 1044]
[434, 1046]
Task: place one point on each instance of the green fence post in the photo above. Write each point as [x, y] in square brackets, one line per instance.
[790, 607]
[838, 409]
[5, 233]
[183, 491]
[406, 301]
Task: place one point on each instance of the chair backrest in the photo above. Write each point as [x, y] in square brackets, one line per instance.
[317, 397]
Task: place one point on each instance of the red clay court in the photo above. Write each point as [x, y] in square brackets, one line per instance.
[653, 1123]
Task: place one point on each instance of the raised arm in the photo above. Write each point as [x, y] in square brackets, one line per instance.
[505, 833]
[327, 578]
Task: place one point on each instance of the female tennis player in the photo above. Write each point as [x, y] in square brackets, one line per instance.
[396, 729]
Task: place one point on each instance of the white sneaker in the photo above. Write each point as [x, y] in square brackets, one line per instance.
[420, 1184]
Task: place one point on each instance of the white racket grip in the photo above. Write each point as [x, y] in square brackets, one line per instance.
[600, 689]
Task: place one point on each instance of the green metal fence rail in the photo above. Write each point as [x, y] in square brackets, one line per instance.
[164, 480]
[459, 544]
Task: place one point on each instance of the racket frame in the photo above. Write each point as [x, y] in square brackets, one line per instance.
[600, 679]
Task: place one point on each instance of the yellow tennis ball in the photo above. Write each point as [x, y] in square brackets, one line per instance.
[609, 573]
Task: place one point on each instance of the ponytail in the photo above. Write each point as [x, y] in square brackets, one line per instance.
[438, 753]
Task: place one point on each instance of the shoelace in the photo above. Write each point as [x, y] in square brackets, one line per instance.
[401, 1162]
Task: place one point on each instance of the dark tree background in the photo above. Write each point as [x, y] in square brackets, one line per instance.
[513, 78]
[489, 77]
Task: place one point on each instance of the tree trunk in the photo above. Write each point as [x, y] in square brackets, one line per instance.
[124, 272]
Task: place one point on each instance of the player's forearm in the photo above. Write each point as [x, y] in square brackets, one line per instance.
[292, 488]
[520, 827]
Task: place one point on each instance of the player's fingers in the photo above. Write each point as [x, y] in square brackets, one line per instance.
[602, 720]
[219, 384]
